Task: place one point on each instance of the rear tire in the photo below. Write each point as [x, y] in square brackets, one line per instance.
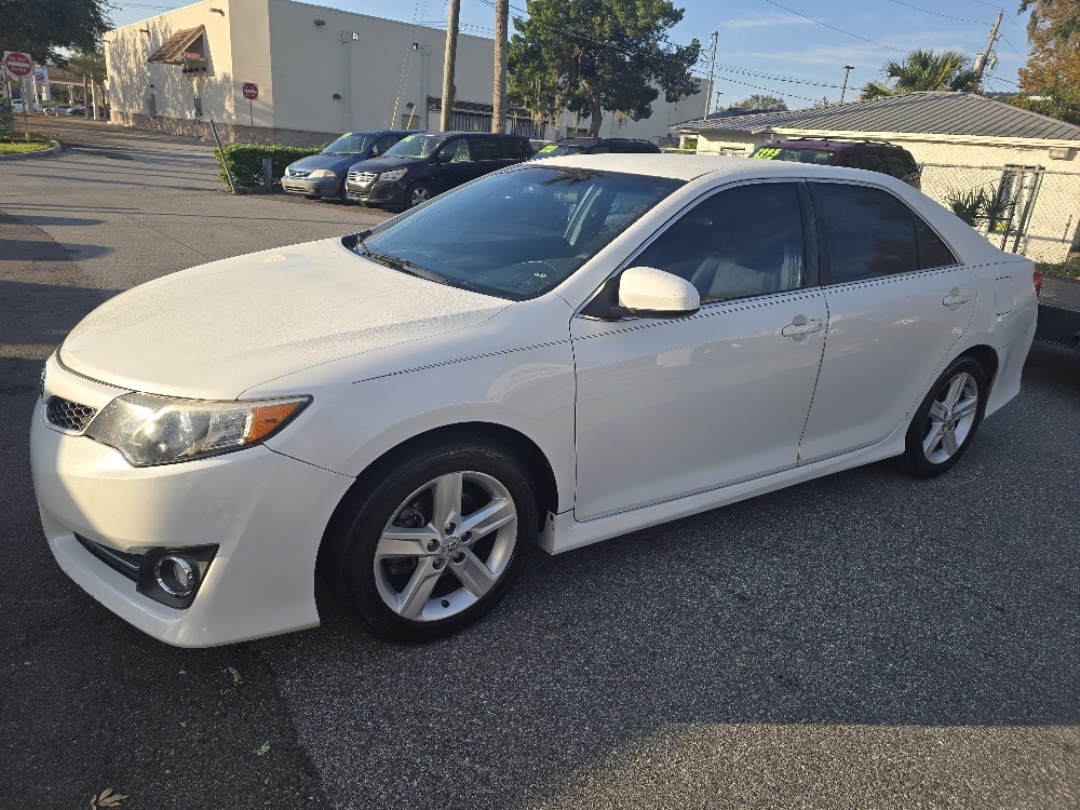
[435, 542]
[947, 420]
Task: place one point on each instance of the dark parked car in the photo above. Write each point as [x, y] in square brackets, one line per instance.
[874, 156]
[596, 146]
[323, 175]
[421, 166]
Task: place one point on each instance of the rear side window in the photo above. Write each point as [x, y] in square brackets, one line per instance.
[518, 149]
[933, 252]
[487, 149]
[852, 160]
[904, 166]
[869, 232]
[875, 162]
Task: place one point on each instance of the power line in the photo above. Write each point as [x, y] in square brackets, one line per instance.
[833, 27]
[1006, 41]
[997, 5]
[939, 14]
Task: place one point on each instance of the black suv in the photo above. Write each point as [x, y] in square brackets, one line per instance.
[596, 146]
[420, 166]
[874, 156]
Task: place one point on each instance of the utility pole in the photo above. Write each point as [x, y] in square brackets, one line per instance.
[843, 90]
[447, 116]
[985, 56]
[712, 64]
[502, 21]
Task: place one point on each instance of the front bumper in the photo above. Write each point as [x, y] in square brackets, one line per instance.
[321, 187]
[266, 513]
[392, 194]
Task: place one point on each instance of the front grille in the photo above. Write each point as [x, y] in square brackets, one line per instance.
[126, 564]
[363, 178]
[68, 415]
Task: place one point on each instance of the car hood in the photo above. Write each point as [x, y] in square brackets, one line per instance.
[386, 164]
[333, 162]
[217, 330]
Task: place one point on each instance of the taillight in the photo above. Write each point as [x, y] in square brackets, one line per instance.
[1036, 279]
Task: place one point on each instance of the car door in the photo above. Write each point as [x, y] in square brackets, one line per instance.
[898, 301]
[452, 166]
[670, 407]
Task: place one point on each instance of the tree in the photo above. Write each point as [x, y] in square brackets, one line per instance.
[924, 70]
[498, 102]
[1065, 13]
[760, 102]
[1052, 72]
[592, 55]
[41, 27]
[90, 65]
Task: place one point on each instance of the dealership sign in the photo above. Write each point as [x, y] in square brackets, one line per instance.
[17, 64]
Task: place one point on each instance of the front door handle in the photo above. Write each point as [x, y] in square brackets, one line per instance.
[801, 327]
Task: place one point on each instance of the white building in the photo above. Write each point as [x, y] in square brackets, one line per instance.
[319, 72]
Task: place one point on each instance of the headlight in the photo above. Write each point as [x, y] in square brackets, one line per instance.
[151, 430]
[322, 173]
[393, 176]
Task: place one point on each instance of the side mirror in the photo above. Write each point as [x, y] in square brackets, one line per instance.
[649, 292]
[443, 157]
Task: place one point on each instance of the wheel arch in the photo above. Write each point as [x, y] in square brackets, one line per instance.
[530, 454]
[986, 357]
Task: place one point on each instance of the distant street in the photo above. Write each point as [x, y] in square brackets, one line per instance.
[861, 641]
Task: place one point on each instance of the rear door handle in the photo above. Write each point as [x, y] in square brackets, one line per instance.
[801, 327]
[955, 299]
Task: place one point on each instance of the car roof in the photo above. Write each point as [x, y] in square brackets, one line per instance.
[691, 167]
[810, 143]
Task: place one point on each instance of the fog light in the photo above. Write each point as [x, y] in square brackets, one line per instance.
[175, 575]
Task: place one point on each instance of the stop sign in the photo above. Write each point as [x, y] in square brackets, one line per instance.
[17, 64]
[251, 90]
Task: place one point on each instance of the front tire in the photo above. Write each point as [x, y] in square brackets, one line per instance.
[947, 420]
[435, 543]
[419, 193]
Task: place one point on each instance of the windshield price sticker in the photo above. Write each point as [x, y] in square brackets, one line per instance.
[766, 154]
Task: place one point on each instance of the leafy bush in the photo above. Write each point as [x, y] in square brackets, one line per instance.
[979, 207]
[245, 161]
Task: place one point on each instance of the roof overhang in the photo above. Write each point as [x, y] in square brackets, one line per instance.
[175, 48]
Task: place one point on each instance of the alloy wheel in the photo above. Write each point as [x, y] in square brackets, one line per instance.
[951, 417]
[447, 546]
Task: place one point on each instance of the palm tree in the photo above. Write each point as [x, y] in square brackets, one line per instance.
[924, 70]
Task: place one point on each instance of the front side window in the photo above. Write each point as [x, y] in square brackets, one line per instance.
[416, 147]
[351, 143]
[741, 242]
[458, 150]
[515, 234]
[869, 232]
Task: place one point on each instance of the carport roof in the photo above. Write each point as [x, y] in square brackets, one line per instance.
[937, 113]
[172, 51]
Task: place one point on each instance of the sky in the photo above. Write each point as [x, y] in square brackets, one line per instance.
[795, 49]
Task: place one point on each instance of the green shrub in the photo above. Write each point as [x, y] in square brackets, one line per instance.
[245, 161]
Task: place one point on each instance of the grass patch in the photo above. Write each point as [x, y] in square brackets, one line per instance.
[16, 142]
[1063, 270]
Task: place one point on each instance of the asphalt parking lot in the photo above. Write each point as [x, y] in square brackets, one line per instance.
[864, 640]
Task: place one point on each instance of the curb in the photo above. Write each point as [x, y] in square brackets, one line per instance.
[55, 149]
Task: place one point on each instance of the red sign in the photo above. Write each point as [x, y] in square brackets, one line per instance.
[18, 64]
[251, 91]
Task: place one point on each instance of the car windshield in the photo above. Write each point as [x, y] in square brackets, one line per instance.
[351, 143]
[416, 147]
[821, 157]
[516, 234]
[560, 149]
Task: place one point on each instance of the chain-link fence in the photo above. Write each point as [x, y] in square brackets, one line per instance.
[1021, 209]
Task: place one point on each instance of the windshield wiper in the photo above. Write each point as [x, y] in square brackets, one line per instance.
[396, 262]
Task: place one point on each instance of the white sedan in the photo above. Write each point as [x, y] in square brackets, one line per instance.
[555, 354]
